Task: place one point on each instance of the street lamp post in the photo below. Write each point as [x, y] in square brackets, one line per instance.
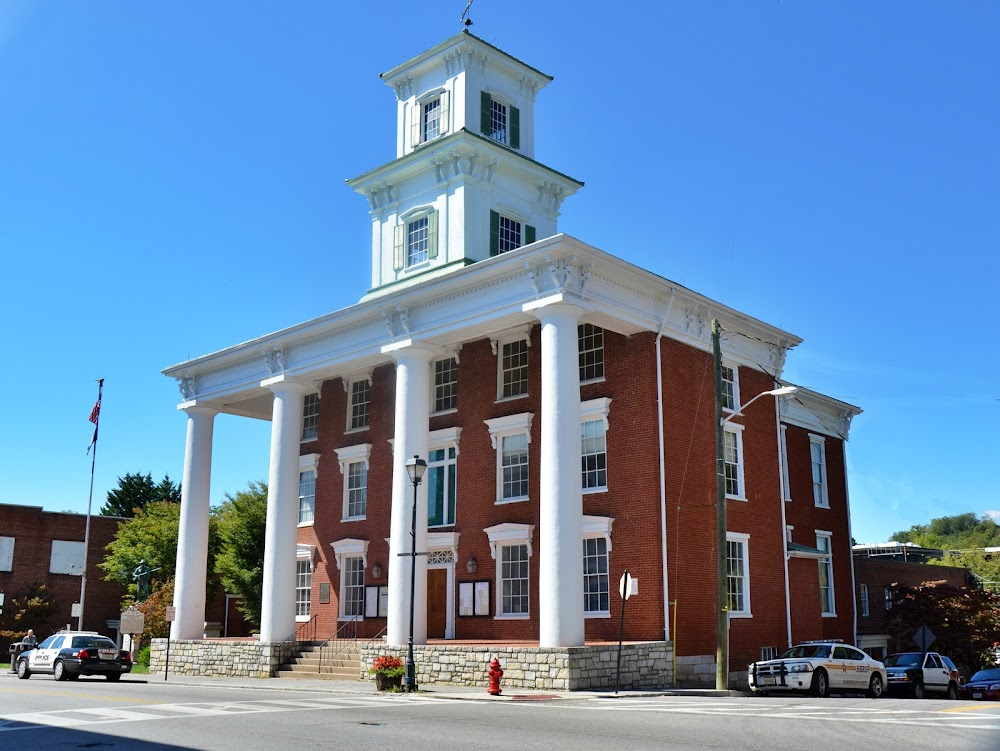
[415, 468]
[722, 648]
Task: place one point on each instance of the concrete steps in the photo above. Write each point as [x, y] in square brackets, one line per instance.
[336, 660]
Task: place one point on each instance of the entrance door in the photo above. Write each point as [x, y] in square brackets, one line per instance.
[437, 602]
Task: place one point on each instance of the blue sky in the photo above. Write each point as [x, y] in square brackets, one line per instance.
[172, 183]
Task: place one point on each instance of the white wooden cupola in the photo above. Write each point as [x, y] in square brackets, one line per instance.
[465, 185]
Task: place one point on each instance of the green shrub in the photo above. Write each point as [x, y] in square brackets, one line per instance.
[142, 658]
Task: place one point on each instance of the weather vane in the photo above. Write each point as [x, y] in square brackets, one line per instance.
[465, 15]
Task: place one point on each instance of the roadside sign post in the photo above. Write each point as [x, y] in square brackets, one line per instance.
[625, 588]
[170, 612]
[923, 638]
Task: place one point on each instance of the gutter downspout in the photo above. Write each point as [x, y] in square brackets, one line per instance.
[663, 471]
[782, 463]
[850, 535]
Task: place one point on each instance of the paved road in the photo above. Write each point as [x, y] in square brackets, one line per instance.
[218, 715]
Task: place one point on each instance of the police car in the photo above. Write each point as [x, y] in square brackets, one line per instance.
[819, 667]
[67, 655]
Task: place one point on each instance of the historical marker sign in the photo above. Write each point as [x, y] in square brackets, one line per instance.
[170, 613]
[133, 622]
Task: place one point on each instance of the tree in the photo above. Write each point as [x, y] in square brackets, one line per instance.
[32, 607]
[959, 532]
[136, 492]
[151, 536]
[241, 559]
[964, 620]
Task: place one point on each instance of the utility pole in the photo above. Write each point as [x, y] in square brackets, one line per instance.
[722, 650]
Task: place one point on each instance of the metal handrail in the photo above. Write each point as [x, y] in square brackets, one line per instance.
[306, 626]
[346, 634]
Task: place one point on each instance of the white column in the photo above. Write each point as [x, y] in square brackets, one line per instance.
[192, 539]
[277, 612]
[411, 435]
[560, 543]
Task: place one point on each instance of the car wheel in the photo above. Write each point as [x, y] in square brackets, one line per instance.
[59, 671]
[22, 669]
[820, 683]
[114, 676]
[875, 687]
[918, 690]
[952, 691]
[72, 676]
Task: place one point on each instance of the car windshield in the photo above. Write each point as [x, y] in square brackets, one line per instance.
[907, 660]
[93, 642]
[986, 675]
[808, 650]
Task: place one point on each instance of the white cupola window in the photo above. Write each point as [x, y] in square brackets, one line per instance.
[429, 117]
[416, 239]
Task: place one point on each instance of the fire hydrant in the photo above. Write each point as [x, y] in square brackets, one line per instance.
[495, 673]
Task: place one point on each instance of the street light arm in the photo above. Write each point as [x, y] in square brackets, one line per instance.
[783, 391]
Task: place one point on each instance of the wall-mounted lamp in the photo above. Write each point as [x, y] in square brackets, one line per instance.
[376, 571]
[471, 565]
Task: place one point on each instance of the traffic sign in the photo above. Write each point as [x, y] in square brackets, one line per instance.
[628, 585]
[923, 638]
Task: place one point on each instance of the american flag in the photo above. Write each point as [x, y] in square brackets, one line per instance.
[95, 413]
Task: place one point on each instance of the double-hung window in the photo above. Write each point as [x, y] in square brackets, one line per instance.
[429, 117]
[303, 589]
[416, 239]
[510, 545]
[507, 233]
[359, 404]
[499, 120]
[594, 450]
[308, 464]
[511, 436]
[596, 576]
[7, 553]
[738, 574]
[445, 385]
[512, 364]
[888, 597]
[865, 606]
[354, 467]
[351, 555]
[730, 388]
[310, 417]
[591, 352]
[442, 477]
[826, 601]
[733, 446]
[817, 454]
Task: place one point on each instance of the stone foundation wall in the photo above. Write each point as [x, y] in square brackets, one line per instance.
[698, 671]
[646, 665]
[218, 657]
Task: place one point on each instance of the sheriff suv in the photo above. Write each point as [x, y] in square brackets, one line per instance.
[819, 667]
[917, 674]
[69, 654]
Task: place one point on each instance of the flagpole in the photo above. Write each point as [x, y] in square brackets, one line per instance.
[95, 417]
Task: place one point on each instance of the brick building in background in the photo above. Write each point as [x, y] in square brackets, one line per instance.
[45, 547]
[876, 569]
[563, 401]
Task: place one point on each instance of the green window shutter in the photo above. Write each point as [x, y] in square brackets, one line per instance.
[432, 235]
[416, 117]
[514, 115]
[494, 233]
[443, 128]
[529, 234]
[485, 104]
[399, 247]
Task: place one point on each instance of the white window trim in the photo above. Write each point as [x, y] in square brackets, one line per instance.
[348, 384]
[737, 429]
[736, 386]
[315, 437]
[452, 356]
[507, 103]
[508, 534]
[603, 350]
[497, 346]
[304, 553]
[745, 539]
[596, 527]
[829, 555]
[414, 215]
[417, 113]
[591, 411]
[824, 500]
[501, 427]
[349, 548]
[308, 462]
[786, 488]
[445, 439]
[347, 456]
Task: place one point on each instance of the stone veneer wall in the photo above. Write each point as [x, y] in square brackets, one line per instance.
[644, 665]
[218, 657]
[698, 671]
